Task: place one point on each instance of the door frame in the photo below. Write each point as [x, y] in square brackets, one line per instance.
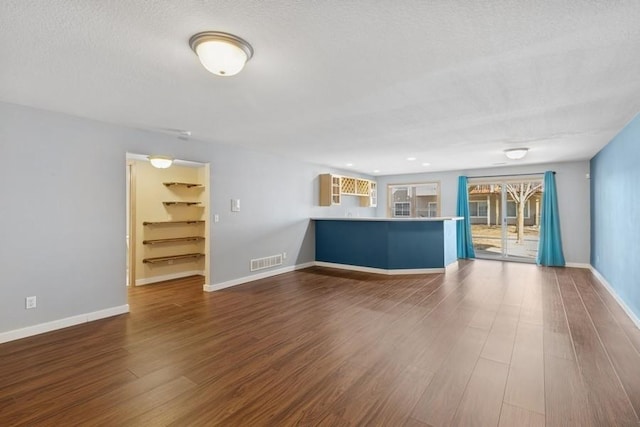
[501, 180]
[131, 214]
[131, 232]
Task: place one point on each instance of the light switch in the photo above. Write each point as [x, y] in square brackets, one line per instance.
[216, 218]
[235, 205]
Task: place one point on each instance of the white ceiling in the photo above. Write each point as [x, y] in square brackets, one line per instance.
[452, 83]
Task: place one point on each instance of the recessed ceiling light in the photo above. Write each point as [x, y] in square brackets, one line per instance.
[426, 164]
[349, 164]
[516, 153]
[376, 170]
[411, 159]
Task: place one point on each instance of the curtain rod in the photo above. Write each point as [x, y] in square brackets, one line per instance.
[512, 174]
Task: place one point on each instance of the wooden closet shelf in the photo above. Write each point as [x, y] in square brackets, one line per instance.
[195, 221]
[181, 203]
[161, 259]
[182, 184]
[173, 240]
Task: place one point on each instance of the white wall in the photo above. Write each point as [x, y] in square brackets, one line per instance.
[62, 211]
[573, 198]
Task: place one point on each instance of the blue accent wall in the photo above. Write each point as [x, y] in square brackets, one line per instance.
[615, 214]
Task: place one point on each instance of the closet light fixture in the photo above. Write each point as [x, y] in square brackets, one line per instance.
[160, 162]
[222, 54]
[516, 153]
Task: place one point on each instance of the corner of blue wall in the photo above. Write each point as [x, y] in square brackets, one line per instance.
[615, 214]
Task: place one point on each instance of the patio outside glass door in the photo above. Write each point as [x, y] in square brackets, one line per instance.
[505, 217]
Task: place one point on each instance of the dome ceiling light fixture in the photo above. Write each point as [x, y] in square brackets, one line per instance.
[160, 162]
[222, 54]
[516, 153]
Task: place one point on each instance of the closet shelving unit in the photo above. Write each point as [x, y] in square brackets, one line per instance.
[188, 221]
[163, 259]
[182, 184]
[179, 203]
[173, 240]
[190, 238]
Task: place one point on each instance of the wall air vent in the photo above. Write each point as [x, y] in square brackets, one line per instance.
[266, 262]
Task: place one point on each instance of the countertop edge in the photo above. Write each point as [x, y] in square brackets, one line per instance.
[355, 218]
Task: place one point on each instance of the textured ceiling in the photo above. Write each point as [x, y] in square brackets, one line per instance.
[451, 83]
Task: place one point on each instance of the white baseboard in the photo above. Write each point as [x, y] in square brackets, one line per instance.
[615, 296]
[41, 328]
[156, 279]
[578, 265]
[380, 270]
[241, 280]
[251, 278]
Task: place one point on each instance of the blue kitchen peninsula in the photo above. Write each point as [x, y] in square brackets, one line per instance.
[386, 245]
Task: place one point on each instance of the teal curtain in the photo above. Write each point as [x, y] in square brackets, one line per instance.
[464, 242]
[550, 245]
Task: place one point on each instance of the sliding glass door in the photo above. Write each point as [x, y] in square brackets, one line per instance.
[505, 217]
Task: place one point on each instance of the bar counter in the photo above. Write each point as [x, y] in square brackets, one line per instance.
[386, 245]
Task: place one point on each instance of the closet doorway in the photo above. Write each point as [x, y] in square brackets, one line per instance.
[167, 227]
[505, 216]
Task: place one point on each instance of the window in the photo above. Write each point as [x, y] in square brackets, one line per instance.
[402, 209]
[511, 209]
[478, 209]
[433, 209]
[414, 200]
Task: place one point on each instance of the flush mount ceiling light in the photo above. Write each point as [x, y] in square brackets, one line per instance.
[516, 153]
[222, 54]
[160, 162]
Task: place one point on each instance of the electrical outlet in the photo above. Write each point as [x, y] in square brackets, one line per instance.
[284, 255]
[30, 302]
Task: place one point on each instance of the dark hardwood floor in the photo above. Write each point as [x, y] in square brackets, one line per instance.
[489, 343]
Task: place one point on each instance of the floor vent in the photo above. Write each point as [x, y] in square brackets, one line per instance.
[266, 262]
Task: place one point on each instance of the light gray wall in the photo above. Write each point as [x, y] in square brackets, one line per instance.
[277, 198]
[62, 210]
[573, 198]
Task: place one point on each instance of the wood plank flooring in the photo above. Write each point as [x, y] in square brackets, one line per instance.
[486, 344]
